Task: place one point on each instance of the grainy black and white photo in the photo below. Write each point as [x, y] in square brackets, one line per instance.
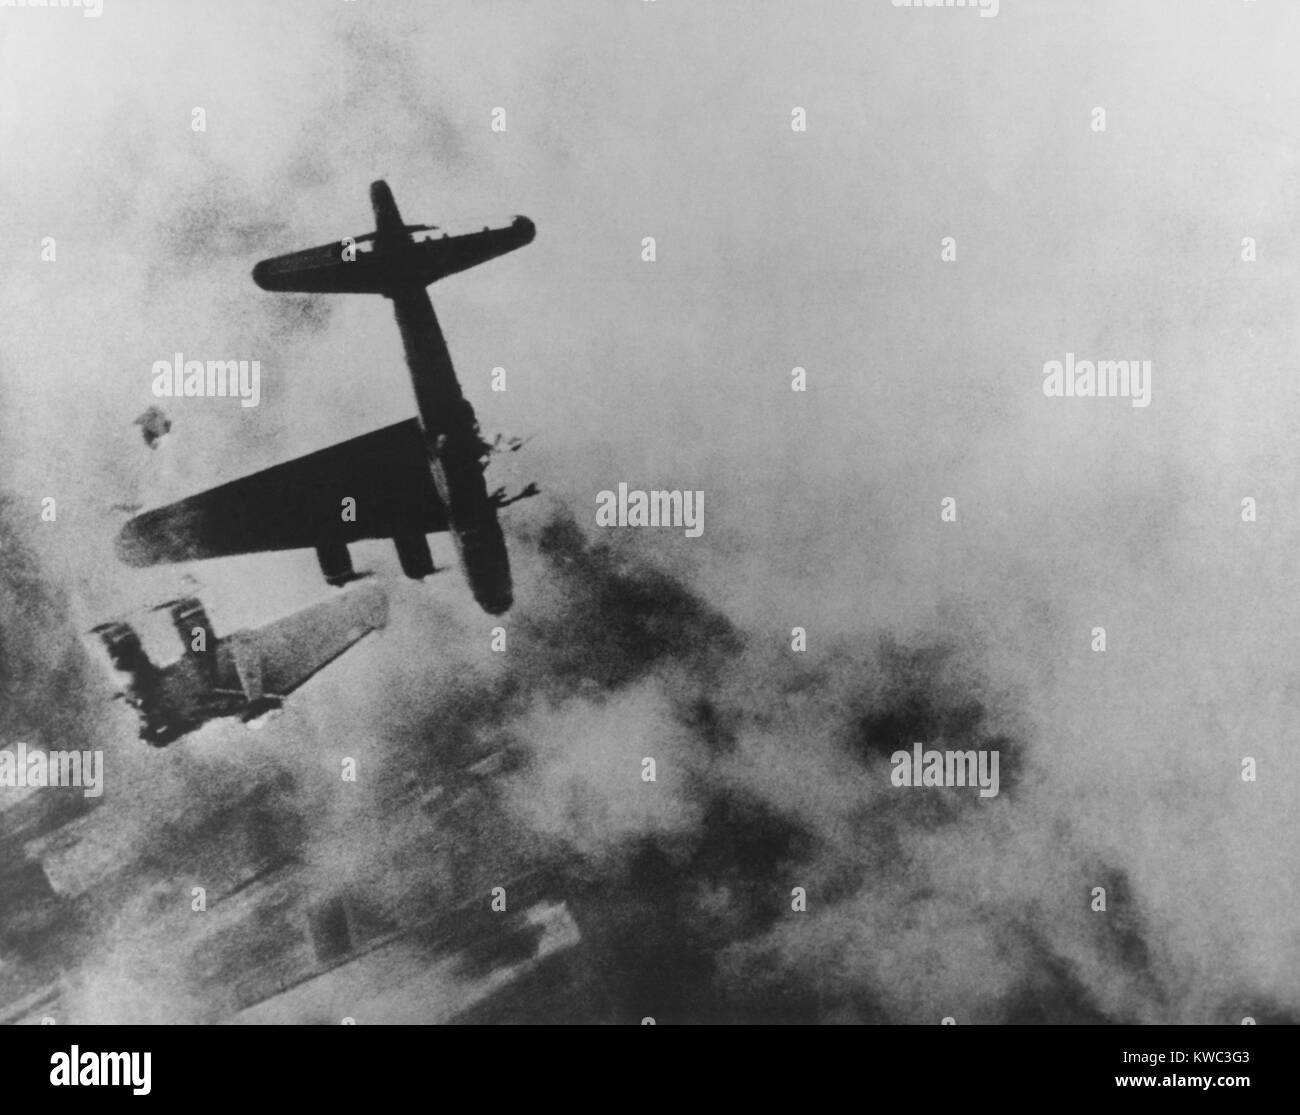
[650, 512]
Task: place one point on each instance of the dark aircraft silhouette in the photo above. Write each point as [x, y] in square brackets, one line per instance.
[246, 673]
[418, 477]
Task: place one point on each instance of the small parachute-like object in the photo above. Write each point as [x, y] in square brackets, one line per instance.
[154, 425]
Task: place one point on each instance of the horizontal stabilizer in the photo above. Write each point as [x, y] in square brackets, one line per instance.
[362, 265]
[322, 270]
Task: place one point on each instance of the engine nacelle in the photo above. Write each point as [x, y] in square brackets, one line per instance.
[413, 552]
[143, 688]
[190, 619]
[125, 651]
[336, 563]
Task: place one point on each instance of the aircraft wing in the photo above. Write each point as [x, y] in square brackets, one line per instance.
[274, 660]
[298, 504]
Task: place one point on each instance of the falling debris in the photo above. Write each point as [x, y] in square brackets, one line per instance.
[154, 425]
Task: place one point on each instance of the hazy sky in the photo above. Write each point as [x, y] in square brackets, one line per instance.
[775, 248]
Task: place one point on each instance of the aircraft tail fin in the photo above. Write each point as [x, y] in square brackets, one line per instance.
[388, 221]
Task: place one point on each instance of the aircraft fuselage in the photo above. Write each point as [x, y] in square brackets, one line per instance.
[392, 263]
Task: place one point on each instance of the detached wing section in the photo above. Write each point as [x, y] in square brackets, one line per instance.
[299, 504]
[274, 660]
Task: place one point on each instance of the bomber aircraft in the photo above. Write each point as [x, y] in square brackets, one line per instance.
[418, 477]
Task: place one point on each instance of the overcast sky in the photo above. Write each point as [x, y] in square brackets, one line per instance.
[775, 248]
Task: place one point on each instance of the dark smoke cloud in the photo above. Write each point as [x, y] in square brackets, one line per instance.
[46, 680]
[772, 773]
